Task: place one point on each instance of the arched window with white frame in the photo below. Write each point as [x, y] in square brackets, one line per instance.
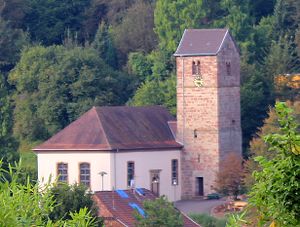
[85, 174]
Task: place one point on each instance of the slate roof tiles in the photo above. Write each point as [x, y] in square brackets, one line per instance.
[120, 127]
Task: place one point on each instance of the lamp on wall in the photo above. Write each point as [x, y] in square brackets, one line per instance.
[174, 183]
[102, 173]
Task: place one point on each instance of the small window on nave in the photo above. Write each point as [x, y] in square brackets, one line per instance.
[130, 174]
[85, 174]
[62, 172]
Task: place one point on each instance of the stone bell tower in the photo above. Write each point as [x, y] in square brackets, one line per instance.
[208, 106]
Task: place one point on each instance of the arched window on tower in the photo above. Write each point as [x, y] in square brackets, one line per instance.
[194, 70]
[198, 68]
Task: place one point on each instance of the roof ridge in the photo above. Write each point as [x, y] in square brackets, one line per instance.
[220, 47]
[206, 29]
[105, 136]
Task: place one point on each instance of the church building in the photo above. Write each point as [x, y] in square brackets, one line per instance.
[112, 148]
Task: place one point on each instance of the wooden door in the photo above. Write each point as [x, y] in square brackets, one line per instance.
[155, 181]
[199, 186]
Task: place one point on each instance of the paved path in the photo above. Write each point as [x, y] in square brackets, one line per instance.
[197, 206]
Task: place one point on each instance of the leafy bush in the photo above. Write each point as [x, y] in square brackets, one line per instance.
[159, 212]
[70, 198]
[276, 191]
[29, 205]
[206, 220]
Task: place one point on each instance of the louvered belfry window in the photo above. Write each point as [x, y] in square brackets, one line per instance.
[196, 68]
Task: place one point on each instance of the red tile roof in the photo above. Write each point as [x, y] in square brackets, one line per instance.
[112, 128]
[120, 209]
[201, 42]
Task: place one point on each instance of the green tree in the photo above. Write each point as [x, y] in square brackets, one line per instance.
[14, 11]
[29, 205]
[159, 212]
[172, 17]
[104, 45]
[256, 96]
[257, 145]
[156, 92]
[260, 40]
[55, 85]
[287, 18]
[206, 220]
[280, 60]
[229, 179]
[236, 18]
[139, 66]
[275, 193]
[11, 43]
[48, 20]
[135, 31]
[261, 8]
[70, 199]
[8, 145]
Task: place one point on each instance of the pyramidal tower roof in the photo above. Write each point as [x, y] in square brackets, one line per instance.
[201, 42]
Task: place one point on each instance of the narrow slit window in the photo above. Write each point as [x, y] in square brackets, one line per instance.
[85, 174]
[130, 173]
[228, 68]
[174, 169]
[62, 172]
[198, 68]
[194, 70]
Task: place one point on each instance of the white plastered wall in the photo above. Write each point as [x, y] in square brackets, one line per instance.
[99, 161]
[144, 162]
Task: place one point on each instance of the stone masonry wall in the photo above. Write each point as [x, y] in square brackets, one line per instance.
[212, 112]
[197, 109]
[229, 100]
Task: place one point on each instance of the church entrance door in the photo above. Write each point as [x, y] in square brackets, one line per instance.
[199, 186]
[155, 181]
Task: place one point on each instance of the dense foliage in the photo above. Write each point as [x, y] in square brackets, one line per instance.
[60, 84]
[159, 212]
[229, 179]
[29, 205]
[112, 52]
[258, 147]
[8, 145]
[70, 199]
[206, 220]
[276, 191]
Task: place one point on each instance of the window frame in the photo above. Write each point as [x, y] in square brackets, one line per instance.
[80, 181]
[130, 176]
[174, 171]
[59, 175]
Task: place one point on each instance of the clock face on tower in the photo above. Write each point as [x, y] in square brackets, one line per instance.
[198, 81]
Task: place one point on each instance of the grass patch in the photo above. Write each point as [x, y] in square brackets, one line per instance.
[29, 159]
[206, 220]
